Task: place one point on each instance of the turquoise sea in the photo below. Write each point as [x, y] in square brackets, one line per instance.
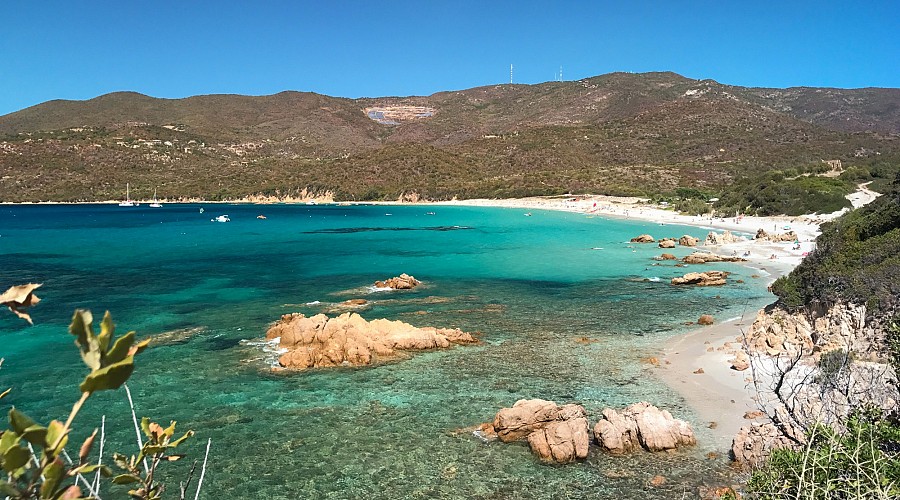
[534, 287]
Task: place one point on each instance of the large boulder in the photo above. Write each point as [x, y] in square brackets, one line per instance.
[667, 243]
[708, 278]
[554, 433]
[402, 282]
[754, 443]
[350, 340]
[688, 241]
[666, 256]
[642, 425]
[705, 257]
[726, 237]
[644, 238]
[788, 236]
[706, 319]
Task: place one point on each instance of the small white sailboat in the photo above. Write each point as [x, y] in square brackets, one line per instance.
[127, 202]
[156, 203]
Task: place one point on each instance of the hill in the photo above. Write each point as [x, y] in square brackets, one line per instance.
[619, 133]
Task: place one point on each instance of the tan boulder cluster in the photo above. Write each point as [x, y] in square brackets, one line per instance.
[789, 236]
[402, 282]
[706, 257]
[714, 238]
[350, 340]
[685, 241]
[561, 433]
[707, 278]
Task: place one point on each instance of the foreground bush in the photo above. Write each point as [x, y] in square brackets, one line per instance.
[861, 463]
[35, 457]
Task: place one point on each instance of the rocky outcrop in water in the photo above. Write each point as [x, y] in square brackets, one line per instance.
[705, 257]
[350, 340]
[644, 238]
[714, 238]
[560, 433]
[667, 243]
[688, 241]
[708, 278]
[554, 433]
[789, 236]
[402, 282]
[641, 425]
[706, 319]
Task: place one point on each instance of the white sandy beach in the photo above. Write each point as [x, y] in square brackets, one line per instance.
[719, 395]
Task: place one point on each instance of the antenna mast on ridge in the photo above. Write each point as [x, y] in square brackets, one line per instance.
[510, 73]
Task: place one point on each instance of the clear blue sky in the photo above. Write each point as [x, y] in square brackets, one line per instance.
[80, 49]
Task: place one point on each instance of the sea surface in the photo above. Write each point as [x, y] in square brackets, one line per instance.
[565, 307]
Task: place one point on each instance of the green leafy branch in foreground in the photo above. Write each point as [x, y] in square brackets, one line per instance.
[34, 456]
[860, 463]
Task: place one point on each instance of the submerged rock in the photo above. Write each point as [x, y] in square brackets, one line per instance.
[641, 425]
[402, 282]
[350, 340]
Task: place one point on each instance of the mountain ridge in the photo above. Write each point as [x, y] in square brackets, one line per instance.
[619, 133]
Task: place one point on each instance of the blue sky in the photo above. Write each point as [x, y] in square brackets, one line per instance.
[81, 49]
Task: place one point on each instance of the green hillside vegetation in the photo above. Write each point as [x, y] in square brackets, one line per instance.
[856, 260]
[773, 194]
[620, 134]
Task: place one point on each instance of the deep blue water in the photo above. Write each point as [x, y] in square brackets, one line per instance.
[532, 286]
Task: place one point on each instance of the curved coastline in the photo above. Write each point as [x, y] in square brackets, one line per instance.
[718, 395]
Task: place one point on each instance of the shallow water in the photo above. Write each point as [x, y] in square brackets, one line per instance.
[534, 287]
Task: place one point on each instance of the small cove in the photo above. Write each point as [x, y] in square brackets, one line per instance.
[534, 287]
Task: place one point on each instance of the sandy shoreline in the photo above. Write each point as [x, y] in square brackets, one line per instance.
[719, 394]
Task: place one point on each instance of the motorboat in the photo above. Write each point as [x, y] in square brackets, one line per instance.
[221, 218]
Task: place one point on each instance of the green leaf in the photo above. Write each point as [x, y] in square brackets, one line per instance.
[88, 468]
[180, 440]
[81, 327]
[121, 461]
[145, 425]
[15, 458]
[18, 421]
[107, 329]
[8, 440]
[54, 431]
[150, 450]
[53, 475]
[36, 435]
[126, 479]
[109, 377]
[120, 349]
[9, 490]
